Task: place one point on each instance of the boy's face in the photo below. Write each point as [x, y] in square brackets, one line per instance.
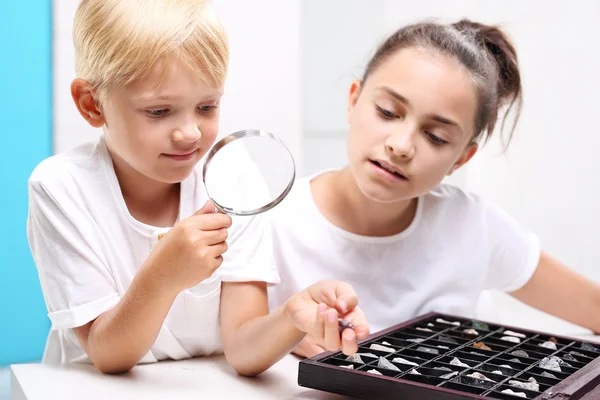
[162, 127]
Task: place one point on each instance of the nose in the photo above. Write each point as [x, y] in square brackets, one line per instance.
[401, 143]
[189, 133]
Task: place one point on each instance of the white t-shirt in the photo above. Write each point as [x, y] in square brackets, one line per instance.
[457, 246]
[87, 248]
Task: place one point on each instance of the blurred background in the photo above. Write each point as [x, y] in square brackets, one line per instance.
[291, 66]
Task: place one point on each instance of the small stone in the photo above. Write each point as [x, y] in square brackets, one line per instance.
[386, 343]
[355, 358]
[414, 372]
[401, 360]
[480, 325]
[514, 360]
[531, 385]
[563, 363]
[549, 345]
[379, 347]
[443, 347]
[447, 339]
[588, 347]
[374, 371]
[458, 363]
[450, 375]
[431, 325]
[415, 340]
[497, 372]
[506, 366]
[548, 375]
[569, 357]
[347, 366]
[428, 350]
[518, 394]
[513, 339]
[477, 354]
[551, 363]
[423, 329]
[481, 345]
[443, 369]
[367, 355]
[384, 363]
[472, 332]
[477, 375]
[577, 354]
[553, 340]
[517, 334]
[519, 353]
[343, 324]
[443, 321]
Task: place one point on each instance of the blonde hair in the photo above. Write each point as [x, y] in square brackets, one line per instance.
[121, 41]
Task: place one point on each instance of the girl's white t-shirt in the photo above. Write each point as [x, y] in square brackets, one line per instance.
[88, 248]
[457, 246]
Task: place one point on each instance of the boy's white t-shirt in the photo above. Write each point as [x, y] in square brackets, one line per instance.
[457, 246]
[88, 248]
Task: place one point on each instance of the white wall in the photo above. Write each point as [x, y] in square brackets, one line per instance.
[292, 63]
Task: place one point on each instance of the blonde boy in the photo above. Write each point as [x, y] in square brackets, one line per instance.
[150, 74]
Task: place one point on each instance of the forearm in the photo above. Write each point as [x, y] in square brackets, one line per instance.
[559, 291]
[119, 338]
[260, 342]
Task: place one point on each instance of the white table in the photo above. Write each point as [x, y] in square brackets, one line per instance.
[199, 378]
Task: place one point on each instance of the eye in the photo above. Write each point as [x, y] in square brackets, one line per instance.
[385, 114]
[206, 109]
[157, 113]
[435, 139]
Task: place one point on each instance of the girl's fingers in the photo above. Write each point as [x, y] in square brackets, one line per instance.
[332, 332]
[349, 344]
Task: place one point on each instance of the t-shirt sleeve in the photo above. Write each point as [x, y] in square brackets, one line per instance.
[250, 253]
[514, 251]
[76, 281]
[249, 257]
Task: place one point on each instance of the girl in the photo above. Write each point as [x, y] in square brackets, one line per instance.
[151, 74]
[407, 243]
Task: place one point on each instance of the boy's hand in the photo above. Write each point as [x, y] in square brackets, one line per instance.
[316, 310]
[191, 251]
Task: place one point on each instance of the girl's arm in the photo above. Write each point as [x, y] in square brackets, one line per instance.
[560, 291]
[254, 340]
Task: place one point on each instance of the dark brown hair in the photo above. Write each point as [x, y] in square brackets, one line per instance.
[483, 50]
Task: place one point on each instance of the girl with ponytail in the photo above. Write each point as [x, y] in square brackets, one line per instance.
[408, 244]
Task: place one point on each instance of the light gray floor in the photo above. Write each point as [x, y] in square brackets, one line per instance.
[4, 384]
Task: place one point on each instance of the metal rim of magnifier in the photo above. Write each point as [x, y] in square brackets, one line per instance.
[232, 138]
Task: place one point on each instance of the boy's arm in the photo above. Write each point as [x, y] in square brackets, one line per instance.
[254, 340]
[120, 337]
[560, 291]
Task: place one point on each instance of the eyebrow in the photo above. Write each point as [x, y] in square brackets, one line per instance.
[435, 117]
[167, 97]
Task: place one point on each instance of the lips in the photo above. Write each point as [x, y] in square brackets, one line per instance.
[393, 170]
[181, 156]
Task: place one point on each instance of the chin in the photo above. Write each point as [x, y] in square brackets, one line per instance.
[380, 194]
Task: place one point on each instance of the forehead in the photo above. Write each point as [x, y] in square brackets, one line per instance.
[432, 83]
[172, 76]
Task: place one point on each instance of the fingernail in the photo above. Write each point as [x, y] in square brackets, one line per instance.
[343, 306]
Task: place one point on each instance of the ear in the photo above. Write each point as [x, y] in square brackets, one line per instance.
[467, 154]
[353, 97]
[84, 97]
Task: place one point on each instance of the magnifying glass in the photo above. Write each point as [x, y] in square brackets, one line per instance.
[248, 172]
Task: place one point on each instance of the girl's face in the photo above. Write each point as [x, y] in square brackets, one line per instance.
[411, 124]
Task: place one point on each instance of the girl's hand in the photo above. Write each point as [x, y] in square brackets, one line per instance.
[316, 310]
